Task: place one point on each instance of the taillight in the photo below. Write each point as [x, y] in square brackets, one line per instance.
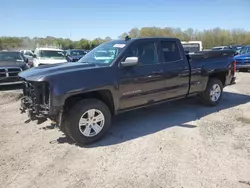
[234, 66]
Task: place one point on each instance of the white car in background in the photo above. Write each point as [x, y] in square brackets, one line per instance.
[47, 56]
[192, 46]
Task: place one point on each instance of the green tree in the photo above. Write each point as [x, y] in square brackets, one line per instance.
[210, 37]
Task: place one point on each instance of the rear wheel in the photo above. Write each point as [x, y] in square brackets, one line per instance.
[213, 93]
[88, 121]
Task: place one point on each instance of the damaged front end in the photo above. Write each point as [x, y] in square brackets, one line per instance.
[36, 100]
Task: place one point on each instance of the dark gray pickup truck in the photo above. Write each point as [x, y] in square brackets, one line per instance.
[122, 75]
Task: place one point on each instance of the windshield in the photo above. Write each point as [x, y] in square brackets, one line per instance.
[195, 47]
[10, 56]
[78, 52]
[245, 50]
[52, 54]
[105, 53]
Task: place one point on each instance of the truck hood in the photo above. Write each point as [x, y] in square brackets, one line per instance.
[42, 72]
[19, 64]
[51, 61]
[242, 57]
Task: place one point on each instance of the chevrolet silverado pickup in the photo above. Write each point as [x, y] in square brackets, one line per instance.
[118, 76]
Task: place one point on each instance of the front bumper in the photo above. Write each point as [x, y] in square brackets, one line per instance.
[38, 111]
[36, 101]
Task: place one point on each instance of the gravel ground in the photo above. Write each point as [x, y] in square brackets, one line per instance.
[180, 144]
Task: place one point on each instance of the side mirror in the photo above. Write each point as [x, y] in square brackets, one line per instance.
[130, 61]
[34, 55]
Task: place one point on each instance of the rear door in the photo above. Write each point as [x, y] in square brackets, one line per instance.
[143, 83]
[175, 67]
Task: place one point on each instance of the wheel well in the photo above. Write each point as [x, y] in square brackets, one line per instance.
[221, 76]
[103, 95]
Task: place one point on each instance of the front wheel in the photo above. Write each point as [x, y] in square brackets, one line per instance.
[213, 93]
[88, 121]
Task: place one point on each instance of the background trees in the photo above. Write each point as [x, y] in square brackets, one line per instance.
[210, 38]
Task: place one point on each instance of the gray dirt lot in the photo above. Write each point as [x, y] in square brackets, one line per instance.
[177, 145]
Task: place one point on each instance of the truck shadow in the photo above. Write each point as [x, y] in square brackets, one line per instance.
[143, 122]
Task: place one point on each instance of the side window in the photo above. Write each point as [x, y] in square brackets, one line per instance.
[170, 51]
[145, 51]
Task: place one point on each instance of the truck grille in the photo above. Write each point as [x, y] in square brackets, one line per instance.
[29, 91]
[243, 61]
[38, 92]
[9, 72]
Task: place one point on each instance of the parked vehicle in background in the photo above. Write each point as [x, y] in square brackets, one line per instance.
[82, 97]
[29, 55]
[243, 59]
[46, 56]
[11, 63]
[192, 46]
[236, 48]
[73, 55]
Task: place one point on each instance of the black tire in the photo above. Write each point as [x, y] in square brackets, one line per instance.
[205, 96]
[72, 129]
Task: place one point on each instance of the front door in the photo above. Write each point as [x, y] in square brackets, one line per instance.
[141, 84]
